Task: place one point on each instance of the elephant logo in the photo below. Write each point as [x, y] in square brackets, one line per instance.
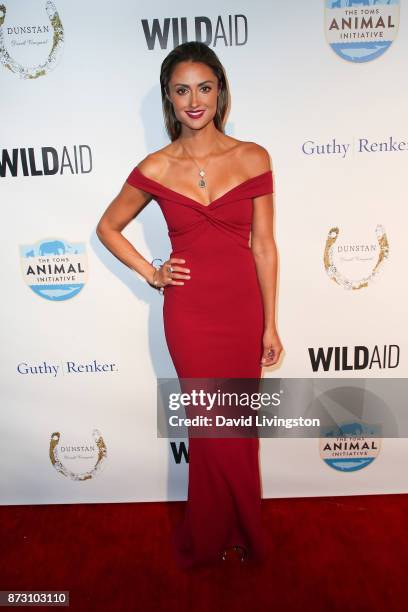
[350, 446]
[354, 420]
[361, 30]
[55, 247]
[54, 269]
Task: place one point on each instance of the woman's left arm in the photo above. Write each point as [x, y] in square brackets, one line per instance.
[265, 254]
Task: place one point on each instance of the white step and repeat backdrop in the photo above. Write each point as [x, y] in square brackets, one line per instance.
[321, 85]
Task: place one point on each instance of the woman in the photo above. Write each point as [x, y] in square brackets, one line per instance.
[219, 289]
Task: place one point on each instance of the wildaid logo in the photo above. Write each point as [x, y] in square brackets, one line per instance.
[46, 162]
[85, 459]
[343, 358]
[361, 30]
[31, 49]
[54, 268]
[354, 264]
[232, 30]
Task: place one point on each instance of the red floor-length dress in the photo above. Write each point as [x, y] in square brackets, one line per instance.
[214, 325]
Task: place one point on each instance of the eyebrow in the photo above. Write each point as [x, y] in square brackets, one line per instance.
[185, 85]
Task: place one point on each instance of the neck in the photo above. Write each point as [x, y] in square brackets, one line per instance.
[200, 143]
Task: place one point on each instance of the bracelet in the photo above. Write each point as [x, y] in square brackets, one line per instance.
[154, 283]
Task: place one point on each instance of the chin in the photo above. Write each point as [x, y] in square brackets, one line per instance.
[198, 124]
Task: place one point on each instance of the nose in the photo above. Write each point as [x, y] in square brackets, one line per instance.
[194, 98]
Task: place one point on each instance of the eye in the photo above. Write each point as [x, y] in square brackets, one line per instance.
[206, 87]
[180, 90]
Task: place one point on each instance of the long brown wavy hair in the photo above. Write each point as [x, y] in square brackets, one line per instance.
[192, 52]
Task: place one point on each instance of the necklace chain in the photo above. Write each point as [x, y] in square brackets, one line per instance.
[202, 181]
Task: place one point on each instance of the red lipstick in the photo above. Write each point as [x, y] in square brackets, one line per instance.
[195, 114]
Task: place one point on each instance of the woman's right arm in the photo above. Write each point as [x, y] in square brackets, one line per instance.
[127, 204]
[125, 207]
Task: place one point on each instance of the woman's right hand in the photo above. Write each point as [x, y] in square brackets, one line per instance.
[163, 276]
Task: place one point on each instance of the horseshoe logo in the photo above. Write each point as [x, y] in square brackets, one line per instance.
[56, 462]
[337, 276]
[57, 41]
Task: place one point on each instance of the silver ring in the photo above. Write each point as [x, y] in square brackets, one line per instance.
[170, 269]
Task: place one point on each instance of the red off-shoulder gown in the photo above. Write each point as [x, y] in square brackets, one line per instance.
[213, 327]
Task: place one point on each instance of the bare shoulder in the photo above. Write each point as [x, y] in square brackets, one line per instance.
[155, 164]
[257, 158]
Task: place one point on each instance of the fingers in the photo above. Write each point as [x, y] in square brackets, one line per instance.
[176, 271]
[173, 260]
[171, 278]
[173, 282]
[265, 362]
[270, 356]
[177, 268]
[270, 362]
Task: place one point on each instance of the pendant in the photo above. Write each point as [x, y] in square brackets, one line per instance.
[201, 182]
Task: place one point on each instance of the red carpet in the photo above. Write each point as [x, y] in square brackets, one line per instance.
[328, 554]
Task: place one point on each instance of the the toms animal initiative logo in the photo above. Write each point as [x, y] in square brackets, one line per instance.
[350, 446]
[54, 268]
[355, 261]
[30, 44]
[354, 419]
[361, 30]
[77, 460]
